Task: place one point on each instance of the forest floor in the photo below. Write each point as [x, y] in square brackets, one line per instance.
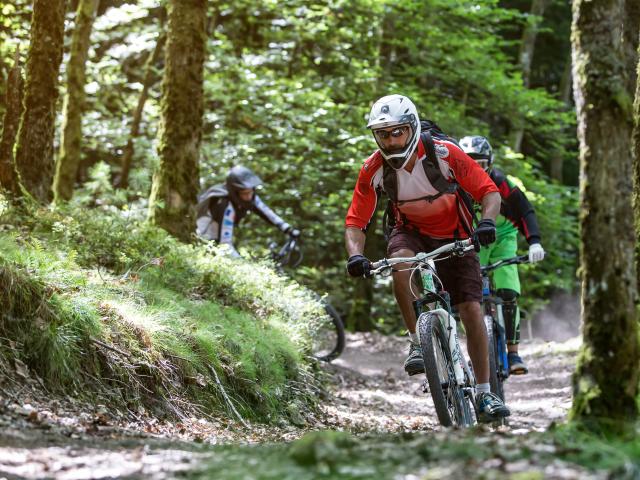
[46, 437]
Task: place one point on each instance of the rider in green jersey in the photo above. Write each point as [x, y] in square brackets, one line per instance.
[516, 214]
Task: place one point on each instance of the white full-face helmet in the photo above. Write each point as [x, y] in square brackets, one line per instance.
[391, 111]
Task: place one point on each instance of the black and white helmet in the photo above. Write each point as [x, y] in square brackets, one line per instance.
[391, 111]
[241, 178]
[479, 149]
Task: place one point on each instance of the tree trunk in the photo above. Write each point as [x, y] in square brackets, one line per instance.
[565, 82]
[605, 383]
[176, 182]
[73, 106]
[11, 121]
[149, 78]
[34, 150]
[557, 165]
[557, 161]
[636, 168]
[525, 58]
[528, 44]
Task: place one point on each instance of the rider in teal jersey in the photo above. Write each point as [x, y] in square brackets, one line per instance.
[516, 214]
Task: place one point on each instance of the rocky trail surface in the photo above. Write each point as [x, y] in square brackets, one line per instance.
[373, 393]
[369, 393]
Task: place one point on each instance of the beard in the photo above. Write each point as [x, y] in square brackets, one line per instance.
[395, 149]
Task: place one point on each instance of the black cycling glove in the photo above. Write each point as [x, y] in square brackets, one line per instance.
[359, 266]
[485, 233]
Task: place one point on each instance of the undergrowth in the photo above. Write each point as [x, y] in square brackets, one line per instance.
[98, 298]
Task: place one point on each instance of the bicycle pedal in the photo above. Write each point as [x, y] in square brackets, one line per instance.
[425, 387]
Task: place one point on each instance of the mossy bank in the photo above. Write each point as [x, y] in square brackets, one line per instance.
[97, 302]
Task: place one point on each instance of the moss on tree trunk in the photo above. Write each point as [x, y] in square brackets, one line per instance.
[176, 182]
[34, 150]
[636, 167]
[15, 88]
[71, 139]
[606, 379]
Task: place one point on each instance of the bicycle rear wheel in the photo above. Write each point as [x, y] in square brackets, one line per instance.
[449, 399]
[495, 375]
[329, 337]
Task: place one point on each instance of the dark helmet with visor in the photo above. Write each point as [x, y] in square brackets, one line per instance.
[478, 148]
[395, 111]
[241, 178]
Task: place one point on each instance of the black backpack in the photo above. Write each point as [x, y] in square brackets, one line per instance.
[428, 131]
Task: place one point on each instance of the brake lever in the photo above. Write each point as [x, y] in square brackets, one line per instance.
[383, 271]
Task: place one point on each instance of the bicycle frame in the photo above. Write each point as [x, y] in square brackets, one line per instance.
[496, 320]
[433, 300]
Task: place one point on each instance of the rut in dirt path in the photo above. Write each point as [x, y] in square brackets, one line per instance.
[373, 393]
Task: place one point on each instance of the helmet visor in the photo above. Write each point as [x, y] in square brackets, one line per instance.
[482, 160]
[396, 132]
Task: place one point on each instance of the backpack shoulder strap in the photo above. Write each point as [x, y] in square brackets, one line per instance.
[390, 182]
[432, 166]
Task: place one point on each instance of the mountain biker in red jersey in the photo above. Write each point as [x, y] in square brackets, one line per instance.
[426, 218]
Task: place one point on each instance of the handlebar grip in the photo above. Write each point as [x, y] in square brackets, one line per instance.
[378, 264]
[476, 244]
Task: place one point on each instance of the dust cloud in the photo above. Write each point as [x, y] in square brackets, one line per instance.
[558, 321]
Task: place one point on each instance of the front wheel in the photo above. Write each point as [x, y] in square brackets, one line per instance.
[449, 399]
[329, 338]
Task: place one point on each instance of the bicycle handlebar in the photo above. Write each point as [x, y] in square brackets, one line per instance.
[282, 255]
[508, 261]
[459, 247]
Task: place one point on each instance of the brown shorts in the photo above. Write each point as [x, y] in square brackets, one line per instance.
[460, 275]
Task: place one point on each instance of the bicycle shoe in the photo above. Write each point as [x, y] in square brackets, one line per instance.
[490, 408]
[414, 363]
[516, 364]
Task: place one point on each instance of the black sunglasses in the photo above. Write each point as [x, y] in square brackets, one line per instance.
[396, 132]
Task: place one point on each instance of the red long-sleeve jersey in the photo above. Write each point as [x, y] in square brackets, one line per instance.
[441, 217]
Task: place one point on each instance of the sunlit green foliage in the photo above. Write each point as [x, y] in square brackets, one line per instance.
[288, 85]
[14, 32]
[295, 112]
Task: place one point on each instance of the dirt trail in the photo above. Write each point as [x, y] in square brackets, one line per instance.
[372, 392]
[64, 439]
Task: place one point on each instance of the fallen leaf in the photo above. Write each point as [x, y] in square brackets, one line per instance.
[21, 368]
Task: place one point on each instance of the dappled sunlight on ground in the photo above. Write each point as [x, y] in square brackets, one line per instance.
[370, 384]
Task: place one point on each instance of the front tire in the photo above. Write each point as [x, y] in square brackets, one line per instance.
[449, 399]
[495, 376]
[329, 339]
